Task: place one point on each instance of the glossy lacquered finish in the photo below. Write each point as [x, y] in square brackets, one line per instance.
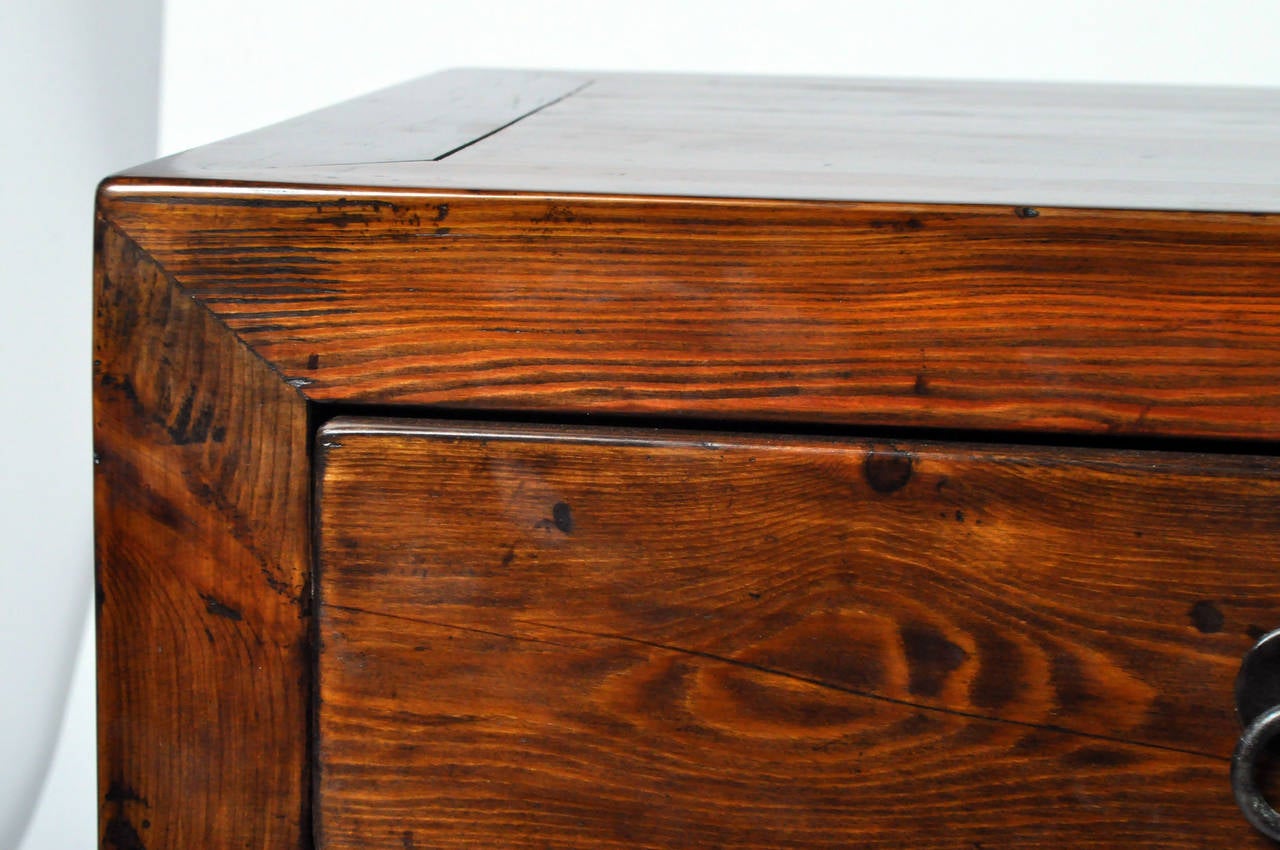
[201, 484]
[1087, 321]
[1034, 262]
[903, 141]
[592, 638]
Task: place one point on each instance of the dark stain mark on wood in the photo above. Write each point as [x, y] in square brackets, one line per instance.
[887, 470]
[509, 555]
[341, 219]
[406, 840]
[562, 516]
[556, 214]
[931, 658]
[184, 431]
[906, 225]
[442, 212]
[124, 384]
[1207, 617]
[219, 608]
[959, 516]
[313, 362]
[1026, 212]
[120, 835]
[119, 791]
[441, 231]
[921, 386]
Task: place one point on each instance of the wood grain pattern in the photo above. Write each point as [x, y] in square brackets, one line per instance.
[202, 556]
[893, 141]
[560, 245]
[537, 637]
[942, 317]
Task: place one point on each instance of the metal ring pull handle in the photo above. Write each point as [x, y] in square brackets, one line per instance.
[1258, 705]
[1244, 783]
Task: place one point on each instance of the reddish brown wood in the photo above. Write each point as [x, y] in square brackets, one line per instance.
[622, 639]
[202, 561]
[574, 245]
[944, 317]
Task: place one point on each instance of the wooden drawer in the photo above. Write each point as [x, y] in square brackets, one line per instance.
[558, 637]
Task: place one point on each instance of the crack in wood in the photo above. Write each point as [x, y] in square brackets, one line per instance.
[771, 671]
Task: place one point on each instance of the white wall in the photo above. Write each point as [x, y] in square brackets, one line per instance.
[77, 80]
[78, 98]
[237, 64]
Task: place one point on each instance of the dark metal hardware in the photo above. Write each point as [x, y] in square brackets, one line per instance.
[1258, 706]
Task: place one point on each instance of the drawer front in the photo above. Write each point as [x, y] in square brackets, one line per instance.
[540, 637]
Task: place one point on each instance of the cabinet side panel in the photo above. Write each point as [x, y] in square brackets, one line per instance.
[201, 548]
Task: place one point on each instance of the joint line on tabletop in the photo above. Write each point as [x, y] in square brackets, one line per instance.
[515, 120]
[453, 150]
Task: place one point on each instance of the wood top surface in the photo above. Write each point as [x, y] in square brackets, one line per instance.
[869, 140]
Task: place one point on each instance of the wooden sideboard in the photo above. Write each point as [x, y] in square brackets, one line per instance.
[516, 459]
